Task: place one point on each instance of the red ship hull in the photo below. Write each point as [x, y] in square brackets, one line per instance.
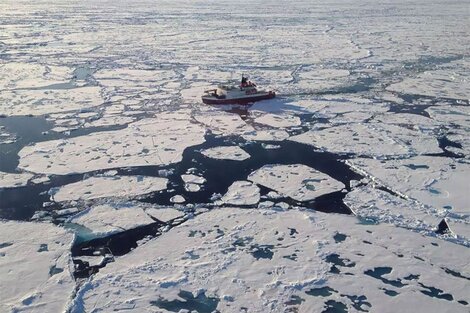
[242, 100]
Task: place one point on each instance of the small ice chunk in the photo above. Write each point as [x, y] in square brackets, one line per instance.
[177, 199]
[234, 153]
[193, 179]
[191, 187]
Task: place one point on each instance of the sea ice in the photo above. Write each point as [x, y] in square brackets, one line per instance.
[12, 180]
[435, 181]
[150, 141]
[278, 121]
[43, 101]
[442, 83]
[223, 123]
[193, 179]
[164, 214]
[242, 193]
[269, 260]
[35, 267]
[16, 75]
[105, 219]
[360, 139]
[381, 206]
[177, 199]
[109, 186]
[296, 181]
[266, 135]
[234, 153]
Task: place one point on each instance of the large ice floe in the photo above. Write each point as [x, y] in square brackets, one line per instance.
[370, 139]
[152, 141]
[451, 82]
[105, 219]
[223, 123]
[438, 182]
[35, 267]
[271, 261]
[109, 186]
[296, 181]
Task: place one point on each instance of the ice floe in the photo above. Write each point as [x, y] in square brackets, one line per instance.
[434, 181]
[43, 101]
[223, 123]
[441, 83]
[278, 121]
[105, 219]
[268, 261]
[234, 153]
[12, 180]
[109, 186]
[164, 214]
[151, 141]
[16, 75]
[35, 266]
[242, 193]
[359, 139]
[177, 199]
[296, 181]
[192, 182]
[266, 135]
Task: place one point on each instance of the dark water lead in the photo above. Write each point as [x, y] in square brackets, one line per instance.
[378, 272]
[200, 304]
[435, 293]
[321, 292]
[339, 237]
[220, 174]
[110, 246]
[332, 306]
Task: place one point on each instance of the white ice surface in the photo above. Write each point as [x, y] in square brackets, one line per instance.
[370, 139]
[260, 259]
[234, 153]
[105, 219]
[109, 186]
[242, 193]
[12, 180]
[193, 179]
[43, 101]
[278, 121]
[381, 206]
[296, 181]
[35, 264]
[439, 182]
[177, 199]
[223, 123]
[266, 135]
[151, 141]
[451, 82]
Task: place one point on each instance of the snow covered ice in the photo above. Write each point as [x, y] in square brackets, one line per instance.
[121, 191]
[296, 181]
[109, 186]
